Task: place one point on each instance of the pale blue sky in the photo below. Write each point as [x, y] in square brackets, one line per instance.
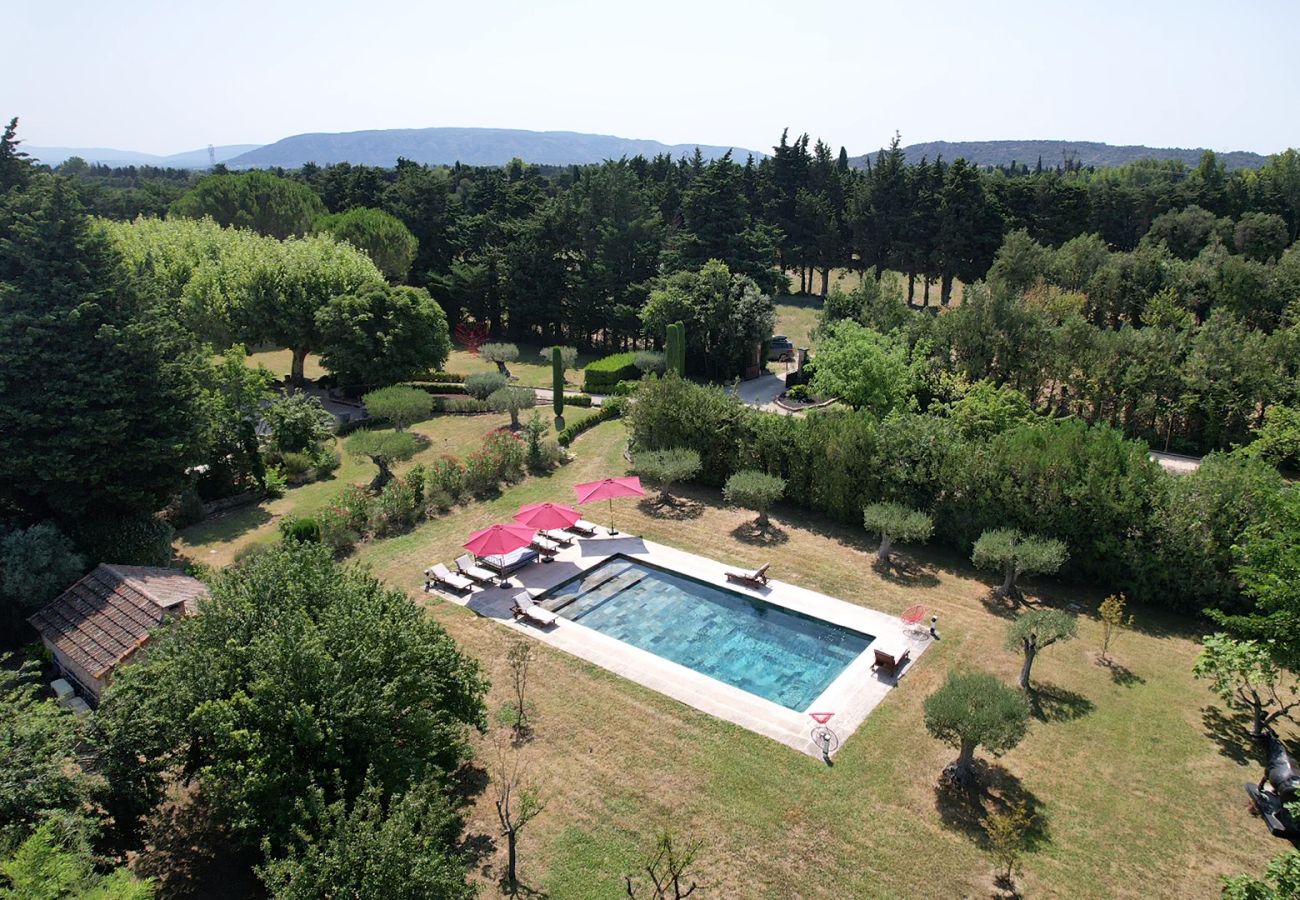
[169, 76]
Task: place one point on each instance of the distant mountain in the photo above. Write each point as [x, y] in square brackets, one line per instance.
[472, 146]
[1053, 153]
[190, 159]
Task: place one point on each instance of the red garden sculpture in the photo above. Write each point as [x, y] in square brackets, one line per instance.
[471, 335]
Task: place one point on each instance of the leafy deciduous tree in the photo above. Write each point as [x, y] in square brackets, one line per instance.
[381, 335]
[1245, 674]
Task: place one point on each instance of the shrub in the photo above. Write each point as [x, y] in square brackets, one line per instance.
[325, 460]
[137, 541]
[601, 375]
[335, 530]
[583, 400]
[446, 475]
[482, 385]
[353, 504]
[465, 406]
[298, 422]
[754, 490]
[445, 377]
[607, 411]
[304, 530]
[507, 453]
[394, 510]
[649, 361]
[534, 431]
[296, 467]
[415, 479]
[480, 472]
[400, 404]
[438, 502]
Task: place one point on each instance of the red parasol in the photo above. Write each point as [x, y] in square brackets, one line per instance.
[608, 489]
[497, 540]
[547, 515]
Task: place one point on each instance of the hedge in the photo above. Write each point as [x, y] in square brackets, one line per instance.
[607, 412]
[602, 375]
[444, 378]
[433, 388]
[581, 400]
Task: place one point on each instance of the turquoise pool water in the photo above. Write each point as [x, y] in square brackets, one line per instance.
[767, 650]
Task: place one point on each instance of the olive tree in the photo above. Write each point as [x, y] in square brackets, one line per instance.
[650, 361]
[752, 489]
[1037, 630]
[482, 385]
[499, 354]
[512, 400]
[1016, 554]
[665, 467]
[1245, 675]
[568, 357]
[896, 522]
[972, 710]
[383, 448]
[400, 404]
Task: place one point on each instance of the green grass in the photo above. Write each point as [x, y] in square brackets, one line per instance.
[1138, 784]
[219, 539]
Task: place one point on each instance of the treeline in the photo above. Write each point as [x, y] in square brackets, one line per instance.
[987, 462]
[565, 255]
[1188, 355]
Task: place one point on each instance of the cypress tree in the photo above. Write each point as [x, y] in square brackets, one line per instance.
[557, 387]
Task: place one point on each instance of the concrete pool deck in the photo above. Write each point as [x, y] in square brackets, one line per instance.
[851, 696]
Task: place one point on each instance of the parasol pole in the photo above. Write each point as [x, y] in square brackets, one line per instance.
[612, 529]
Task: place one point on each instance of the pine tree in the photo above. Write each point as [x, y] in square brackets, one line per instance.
[100, 390]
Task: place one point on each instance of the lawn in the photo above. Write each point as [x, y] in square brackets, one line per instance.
[1135, 772]
[530, 370]
[218, 539]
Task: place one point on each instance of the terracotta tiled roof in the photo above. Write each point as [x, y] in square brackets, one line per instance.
[103, 618]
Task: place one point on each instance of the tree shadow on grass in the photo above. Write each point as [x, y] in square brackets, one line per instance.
[1002, 606]
[963, 808]
[1121, 674]
[760, 535]
[468, 782]
[905, 572]
[678, 509]
[1231, 731]
[520, 889]
[1052, 703]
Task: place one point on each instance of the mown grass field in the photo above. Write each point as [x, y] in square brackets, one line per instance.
[1134, 770]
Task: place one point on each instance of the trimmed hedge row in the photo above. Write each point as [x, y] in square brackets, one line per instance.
[602, 375]
[432, 388]
[610, 410]
[582, 400]
[444, 377]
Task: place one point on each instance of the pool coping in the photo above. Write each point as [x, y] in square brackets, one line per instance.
[851, 696]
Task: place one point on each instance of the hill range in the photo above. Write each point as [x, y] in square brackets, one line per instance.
[1055, 153]
[497, 146]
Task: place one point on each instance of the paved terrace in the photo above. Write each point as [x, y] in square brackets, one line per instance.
[851, 696]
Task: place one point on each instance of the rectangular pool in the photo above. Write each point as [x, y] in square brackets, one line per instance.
[780, 655]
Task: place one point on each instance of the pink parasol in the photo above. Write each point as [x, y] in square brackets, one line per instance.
[608, 489]
[497, 540]
[547, 515]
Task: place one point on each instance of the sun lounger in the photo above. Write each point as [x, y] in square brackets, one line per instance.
[525, 607]
[466, 566]
[756, 578]
[558, 537]
[505, 563]
[545, 545]
[583, 528]
[440, 574]
[891, 656]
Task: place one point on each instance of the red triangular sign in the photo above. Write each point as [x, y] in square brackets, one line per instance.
[821, 718]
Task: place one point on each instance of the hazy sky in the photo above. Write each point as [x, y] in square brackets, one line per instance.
[169, 76]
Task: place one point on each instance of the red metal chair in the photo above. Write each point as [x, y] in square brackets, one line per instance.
[913, 616]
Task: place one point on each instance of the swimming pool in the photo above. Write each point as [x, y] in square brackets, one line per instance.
[780, 655]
